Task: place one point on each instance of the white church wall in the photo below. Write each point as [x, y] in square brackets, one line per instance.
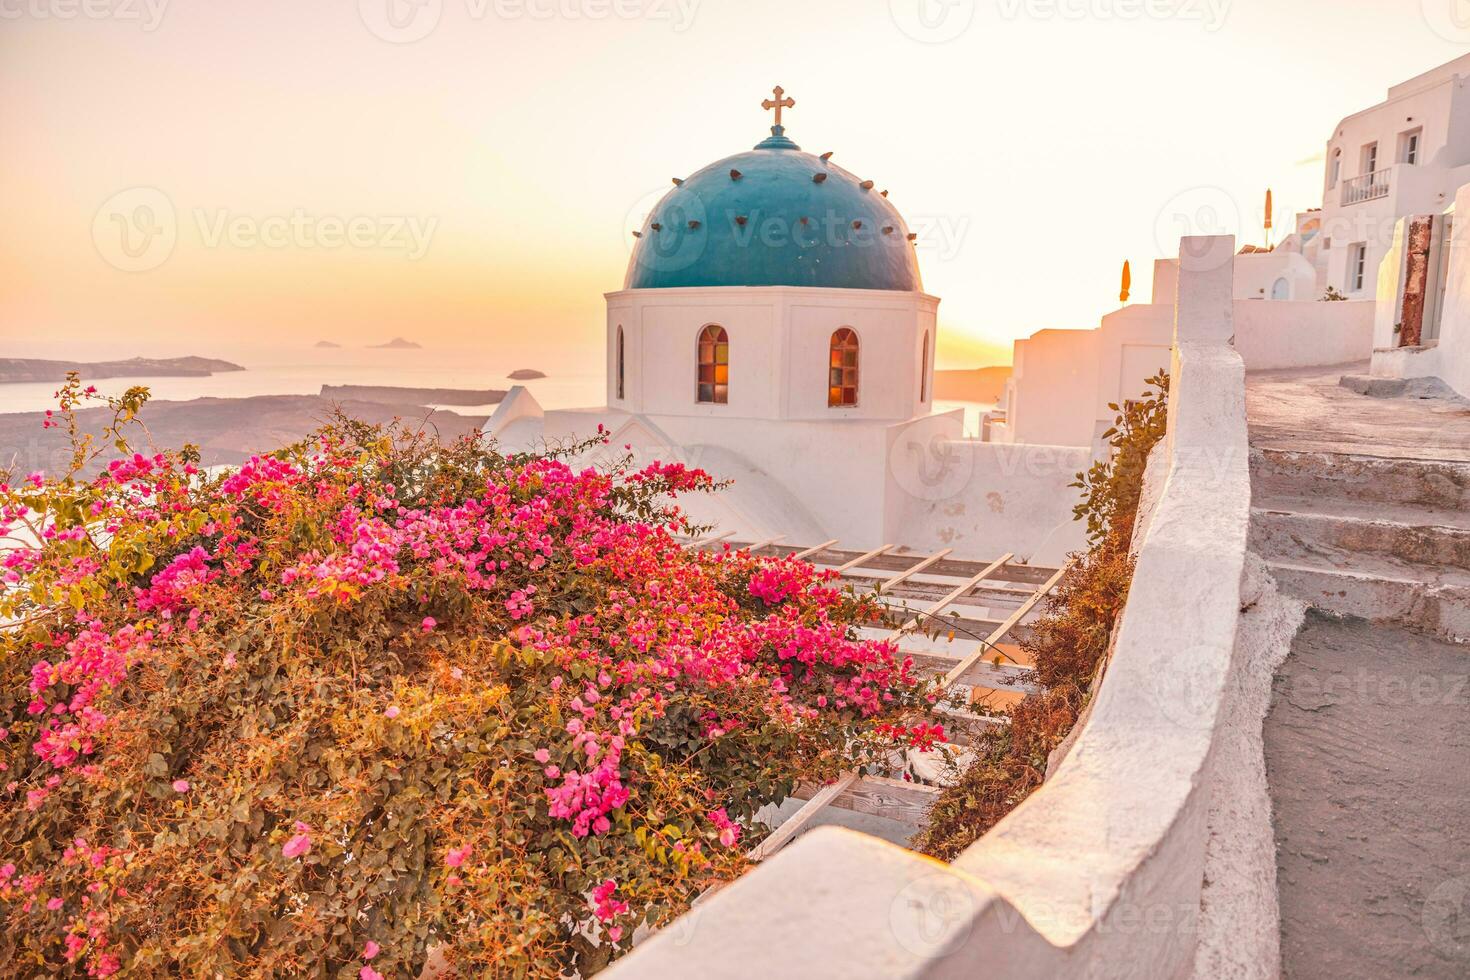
[838, 472]
[666, 360]
[779, 348]
[889, 338]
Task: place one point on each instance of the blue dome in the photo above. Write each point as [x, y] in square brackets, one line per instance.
[774, 216]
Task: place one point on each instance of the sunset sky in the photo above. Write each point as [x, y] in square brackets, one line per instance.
[490, 170]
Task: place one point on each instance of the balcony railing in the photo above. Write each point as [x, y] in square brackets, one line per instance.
[1368, 187]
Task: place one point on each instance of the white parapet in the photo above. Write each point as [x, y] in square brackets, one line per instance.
[1100, 872]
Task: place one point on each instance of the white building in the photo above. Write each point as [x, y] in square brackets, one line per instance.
[1406, 155]
[773, 329]
[1387, 167]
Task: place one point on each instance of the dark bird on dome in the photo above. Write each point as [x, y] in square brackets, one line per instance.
[826, 156]
[637, 234]
[693, 225]
[677, 181]
[866, 185]
[819, 178]
[740, 219]
[736, 175]
[656, 226]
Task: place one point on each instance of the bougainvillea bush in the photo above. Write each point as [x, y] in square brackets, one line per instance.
[372, 700]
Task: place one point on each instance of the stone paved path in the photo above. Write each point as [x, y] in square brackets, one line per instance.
[1309, 411]
[1368, 760]
[1361, 507]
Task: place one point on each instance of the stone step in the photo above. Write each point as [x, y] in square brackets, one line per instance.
[1313, 536]
[1381, 592]
[1436, 484]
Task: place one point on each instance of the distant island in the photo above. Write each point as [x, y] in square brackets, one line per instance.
[326, 343]
[526, 374]
[226, 430]
[397, 343]
[387, 395]
[14, 370]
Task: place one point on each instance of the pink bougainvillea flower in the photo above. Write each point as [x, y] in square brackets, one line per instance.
[300, 843]
[429, 623]
[368, 973]
[542, 756]
[181, 786]
[54, 904]
[614, 933]
[370, 950]
[458, 855]
[391, 711]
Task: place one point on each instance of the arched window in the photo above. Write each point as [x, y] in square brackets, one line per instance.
[842, 373]
[714, 365]
[924, 370]
[620, 362]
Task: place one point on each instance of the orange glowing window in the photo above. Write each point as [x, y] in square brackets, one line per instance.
[714, 365]
[842, 370]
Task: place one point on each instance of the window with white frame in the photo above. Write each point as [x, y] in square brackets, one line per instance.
[1335, 170]
[1369, 160]
[1357, 266]
[1409, 146]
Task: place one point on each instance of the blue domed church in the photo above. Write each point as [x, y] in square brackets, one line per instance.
[772, 284]
[773, 329]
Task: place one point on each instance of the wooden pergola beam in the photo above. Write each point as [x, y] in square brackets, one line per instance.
[913, 570]
[1005, 627]
[958, 591]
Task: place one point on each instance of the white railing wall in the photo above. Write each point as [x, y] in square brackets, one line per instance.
[1099, 873]
[1367, 187]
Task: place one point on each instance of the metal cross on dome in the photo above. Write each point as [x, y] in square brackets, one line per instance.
[778, 103]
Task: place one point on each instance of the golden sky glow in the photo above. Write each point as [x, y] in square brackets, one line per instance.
[1033, 152]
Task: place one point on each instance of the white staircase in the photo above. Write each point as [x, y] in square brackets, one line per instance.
[1384, 539]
